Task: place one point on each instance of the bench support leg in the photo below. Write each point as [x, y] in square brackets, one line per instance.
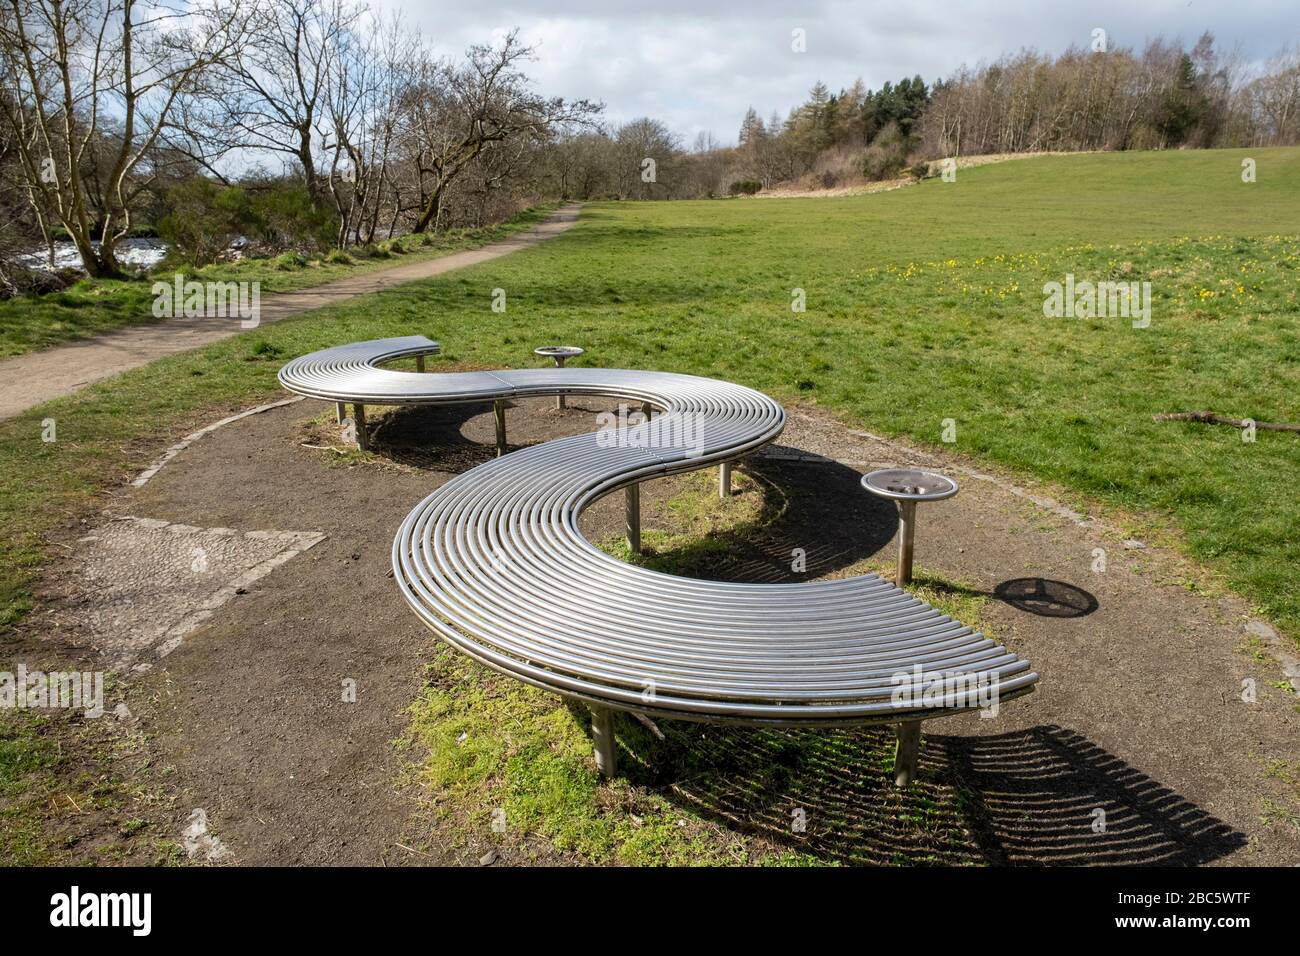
[905, 757]
[906, 536]
[499, 409]
[559, 363]
[632, 497]
[724, 480]
[647, 411]
[341, 411]
[602, 735]
[419, 363]
[359, 420]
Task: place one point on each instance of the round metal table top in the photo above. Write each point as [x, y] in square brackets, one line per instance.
[909, 484]
[559, 351]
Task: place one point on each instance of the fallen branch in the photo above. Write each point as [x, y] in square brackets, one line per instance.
[649, 724]
[337, 451]
[1212, 419]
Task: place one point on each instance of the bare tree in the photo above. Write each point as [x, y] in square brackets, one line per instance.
[457, 111]
[581, 163]
[277, 85]
[646, 156]
[392, 49]
[361, 94]
[75, 68]
[1275, 99]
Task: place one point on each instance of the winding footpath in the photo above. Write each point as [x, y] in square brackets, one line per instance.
[29, 380]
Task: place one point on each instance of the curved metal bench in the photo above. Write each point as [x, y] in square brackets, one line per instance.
[494, 563]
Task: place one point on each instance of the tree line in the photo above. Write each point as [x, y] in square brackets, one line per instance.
[114, 110]
[1162, 97]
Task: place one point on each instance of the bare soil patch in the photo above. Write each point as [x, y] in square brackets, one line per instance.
[865, 187]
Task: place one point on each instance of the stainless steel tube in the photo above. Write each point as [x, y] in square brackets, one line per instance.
[906, 539]
[494, 562]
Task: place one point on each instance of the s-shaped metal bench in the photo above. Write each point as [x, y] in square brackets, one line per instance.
[493, 562]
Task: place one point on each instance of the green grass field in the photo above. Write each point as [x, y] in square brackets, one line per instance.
[923, 304]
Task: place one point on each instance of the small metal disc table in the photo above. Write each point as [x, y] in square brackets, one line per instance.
[905, 487]
[561, 354]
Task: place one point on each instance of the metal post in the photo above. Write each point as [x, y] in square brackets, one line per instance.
[633, 502]
[559, 399]
[341, 410]
[602, 735]
[647, 411]
[419, 363]
[359, 420]
[499, 409]
[906, 534]
[724, 480]
[905, 757]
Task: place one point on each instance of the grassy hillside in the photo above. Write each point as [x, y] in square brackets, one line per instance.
[1033, 204]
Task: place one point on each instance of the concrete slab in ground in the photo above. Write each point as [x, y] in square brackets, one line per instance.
[137, 586]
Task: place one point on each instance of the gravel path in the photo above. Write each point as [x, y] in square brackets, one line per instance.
[29, 380]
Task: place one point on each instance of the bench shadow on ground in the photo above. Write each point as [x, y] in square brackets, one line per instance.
[1043, 795]
[1040, 796]
[819, 517]
[430, 437]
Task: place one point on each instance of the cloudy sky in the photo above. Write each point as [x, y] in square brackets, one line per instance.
[697, 64]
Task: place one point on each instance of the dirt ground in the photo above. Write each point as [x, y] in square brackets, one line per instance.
[1139, 711]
